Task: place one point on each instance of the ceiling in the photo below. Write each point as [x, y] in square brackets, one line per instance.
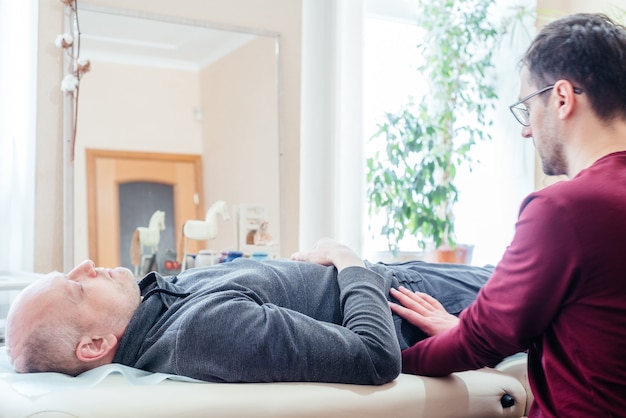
[146, 41]
[108, 36]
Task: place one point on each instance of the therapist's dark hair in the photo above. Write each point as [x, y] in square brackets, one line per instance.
[588, 50]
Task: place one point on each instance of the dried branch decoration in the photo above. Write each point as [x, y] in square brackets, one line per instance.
[76, 66]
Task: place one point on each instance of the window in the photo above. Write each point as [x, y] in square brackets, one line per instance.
[489, 197]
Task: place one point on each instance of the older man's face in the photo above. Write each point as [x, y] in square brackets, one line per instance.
[101, 300]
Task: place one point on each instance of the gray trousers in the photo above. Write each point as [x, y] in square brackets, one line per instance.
[455, 286]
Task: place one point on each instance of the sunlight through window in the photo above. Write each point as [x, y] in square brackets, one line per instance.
[490, 195]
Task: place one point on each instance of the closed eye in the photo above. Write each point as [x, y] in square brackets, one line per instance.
[77, 290]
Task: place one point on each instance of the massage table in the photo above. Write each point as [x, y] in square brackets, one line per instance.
[120, 391]
[115, 390]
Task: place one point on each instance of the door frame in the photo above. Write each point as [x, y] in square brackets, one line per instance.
[95, 155]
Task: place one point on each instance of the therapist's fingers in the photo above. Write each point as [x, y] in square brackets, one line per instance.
[417, 301]
[423, 311]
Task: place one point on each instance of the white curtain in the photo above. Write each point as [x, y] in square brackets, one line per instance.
[317, 121]
[331, 146]
[18, 58]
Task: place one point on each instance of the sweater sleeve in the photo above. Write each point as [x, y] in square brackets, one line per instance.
[517, 304]
[263, 342]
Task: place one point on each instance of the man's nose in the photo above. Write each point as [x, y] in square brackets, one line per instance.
[87, 267]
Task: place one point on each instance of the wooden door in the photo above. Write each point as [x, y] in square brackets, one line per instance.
[107, 170]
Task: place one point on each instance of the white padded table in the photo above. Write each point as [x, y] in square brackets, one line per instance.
[466, 394]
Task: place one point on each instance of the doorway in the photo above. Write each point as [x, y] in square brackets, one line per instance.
[124, 188]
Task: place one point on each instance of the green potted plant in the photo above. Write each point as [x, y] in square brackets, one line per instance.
[411, 178]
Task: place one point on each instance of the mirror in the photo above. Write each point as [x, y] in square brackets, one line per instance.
[177, 103]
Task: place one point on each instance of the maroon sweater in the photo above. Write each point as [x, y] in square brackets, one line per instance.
[558, 292]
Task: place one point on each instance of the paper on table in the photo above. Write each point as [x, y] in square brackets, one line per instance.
[38, 384]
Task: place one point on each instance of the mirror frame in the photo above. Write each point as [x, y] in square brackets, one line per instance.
[70, 102]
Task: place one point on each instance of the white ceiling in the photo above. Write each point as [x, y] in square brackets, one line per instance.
[141, 41]
[146, 41]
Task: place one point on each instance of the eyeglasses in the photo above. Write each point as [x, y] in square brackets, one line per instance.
[521, 113]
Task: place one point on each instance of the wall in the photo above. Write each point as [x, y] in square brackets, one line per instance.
[282, 16]
[155, 120]
[240, 153]
[147, 118]
[564, 7]
[49, 169]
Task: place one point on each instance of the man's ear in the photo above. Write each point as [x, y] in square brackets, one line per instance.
[566, 97]
[95, 348]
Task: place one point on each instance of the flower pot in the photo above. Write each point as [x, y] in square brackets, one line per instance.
[460, 254]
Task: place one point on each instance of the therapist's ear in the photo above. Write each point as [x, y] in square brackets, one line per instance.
[95, 348]
[567, 100]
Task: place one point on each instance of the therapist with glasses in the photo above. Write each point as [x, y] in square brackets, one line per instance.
[559, 292]
[522, 112]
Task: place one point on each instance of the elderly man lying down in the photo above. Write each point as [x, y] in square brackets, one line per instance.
[323, 316]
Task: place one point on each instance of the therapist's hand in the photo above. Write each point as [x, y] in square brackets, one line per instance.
[423, 311]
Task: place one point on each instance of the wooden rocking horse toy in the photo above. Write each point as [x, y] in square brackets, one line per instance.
[147, 237]
[203, 230]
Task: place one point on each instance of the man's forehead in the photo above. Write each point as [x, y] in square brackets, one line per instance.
[42, 285]
[43, 290]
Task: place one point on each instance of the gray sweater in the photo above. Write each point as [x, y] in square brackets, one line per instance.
[281, 320]
[249, 321]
